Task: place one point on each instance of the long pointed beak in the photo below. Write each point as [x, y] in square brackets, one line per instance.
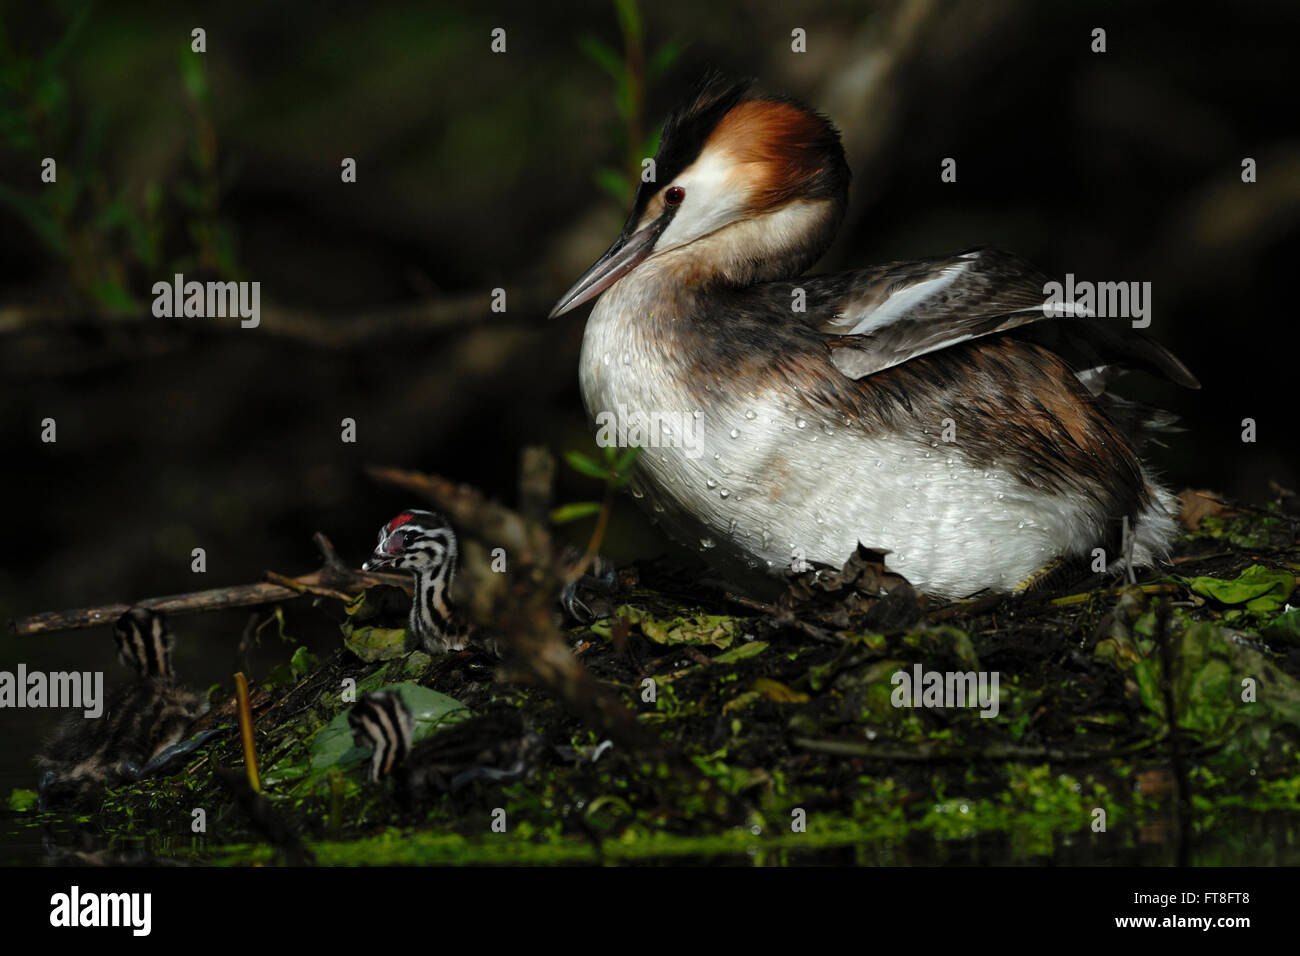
[620, 259]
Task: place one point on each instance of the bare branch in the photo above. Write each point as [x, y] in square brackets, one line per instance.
[330, 581]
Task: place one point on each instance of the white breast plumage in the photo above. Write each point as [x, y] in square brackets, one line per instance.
[771, 483]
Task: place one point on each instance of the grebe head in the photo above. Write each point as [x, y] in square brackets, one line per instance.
[747, 188]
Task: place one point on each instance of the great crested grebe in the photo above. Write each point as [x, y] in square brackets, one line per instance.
[919, 407]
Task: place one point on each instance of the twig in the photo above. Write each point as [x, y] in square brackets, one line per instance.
[972, 608]
[328, 582]
[1188, 558]
[242, 595]
[301, 588]
[1115, 592]
[577, 570]
[783, 618]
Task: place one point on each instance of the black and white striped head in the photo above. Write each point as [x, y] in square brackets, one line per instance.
[415, 540]
[382, 722]
[144, 643]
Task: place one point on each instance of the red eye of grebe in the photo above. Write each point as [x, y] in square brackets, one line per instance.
[674, 195]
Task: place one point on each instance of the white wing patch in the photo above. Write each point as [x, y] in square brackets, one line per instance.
[898, 304]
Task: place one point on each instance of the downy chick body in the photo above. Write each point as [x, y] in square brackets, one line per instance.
[491, 747]
[145, 719]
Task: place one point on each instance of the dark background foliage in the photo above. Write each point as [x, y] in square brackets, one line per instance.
[479, 171]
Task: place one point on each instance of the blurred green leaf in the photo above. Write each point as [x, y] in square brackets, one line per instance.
[281, 675]
[741, 652]
[194, 75]
[586, 465]
[717, 630]
[626, 459]
[1286, 625]
[1206, 687]
[112, 296]
[20, 800]
[629, 21]
[375, 643]
[663, 59]
[575, 511]
[623, 102]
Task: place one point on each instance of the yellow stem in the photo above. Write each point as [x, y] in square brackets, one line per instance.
[246, 732]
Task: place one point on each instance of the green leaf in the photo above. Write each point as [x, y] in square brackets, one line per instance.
[376, 643]
[281, 675]
[1260, 589]
[574, 512]
[20, 800]
[626, 459]
[1210, 674]
[363, 631]
[303, 662]
[1285, 626]
[586, 465]
[717, 630]
[333, 745]
[663, 59]
[741, 652]
[1246, 531]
